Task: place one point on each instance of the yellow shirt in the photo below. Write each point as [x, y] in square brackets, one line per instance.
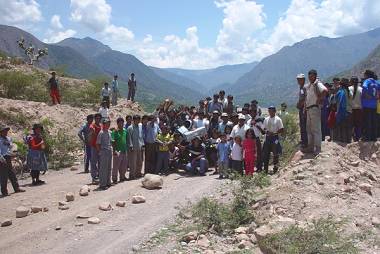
[165, 139]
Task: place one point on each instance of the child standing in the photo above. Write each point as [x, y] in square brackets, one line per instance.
[163, 140]
[237, 155]
[104, 147]
[223, 151]
[249, 152]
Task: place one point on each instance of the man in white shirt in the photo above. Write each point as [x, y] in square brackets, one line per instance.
[273, 127]
[240, 129]
[257, 124]
[105, 94]
[315, 92]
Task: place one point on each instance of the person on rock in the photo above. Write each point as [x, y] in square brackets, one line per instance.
[95, 128]
[104, 148]
[120, 149]
[136, 144]
[54, 89]
[6, 169]
[84, 136]
[36, 159]
[105, 94]
[273, 126]
[132, 86]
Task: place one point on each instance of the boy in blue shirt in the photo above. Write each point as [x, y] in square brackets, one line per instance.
[223, 150]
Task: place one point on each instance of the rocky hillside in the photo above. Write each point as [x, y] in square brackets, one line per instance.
[371, 62]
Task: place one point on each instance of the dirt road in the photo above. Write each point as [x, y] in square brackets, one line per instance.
[120, 228]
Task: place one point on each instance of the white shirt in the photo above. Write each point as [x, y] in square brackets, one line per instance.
[224, 102]
[239, 131]
[106, 92]
[356, 102]
[103, 112]
[198, 123]
[253, 125]
[236, 152]
[273, 124]
[311, 96]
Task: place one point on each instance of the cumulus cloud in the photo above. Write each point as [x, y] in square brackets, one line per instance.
[148, 38]
[96, 16]
[57, 36]
[55, 22]
[19, 12]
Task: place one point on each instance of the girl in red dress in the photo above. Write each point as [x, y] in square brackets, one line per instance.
[249, 152]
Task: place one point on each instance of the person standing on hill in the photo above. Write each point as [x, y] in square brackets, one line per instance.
[105, 94]
[54, 91]
[84, 136]
[132, 85]
[357, 113]
[94, 131]
[315, 93]
[301, 109]
[369, 104]
[115, 90]
[6, 170]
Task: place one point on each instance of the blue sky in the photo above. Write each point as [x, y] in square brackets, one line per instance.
[192, 33]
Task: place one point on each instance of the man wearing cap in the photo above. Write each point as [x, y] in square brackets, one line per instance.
[301, 109]
[273, 126]
[132, 85]
[115, 90]
[104, 148]
[240, 129]
[120, 148]
[315, 93]
[84, 136]
[215, 105]
[54, 91]
[223, 123]
[6, 170]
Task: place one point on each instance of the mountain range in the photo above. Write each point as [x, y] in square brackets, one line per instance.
[270, 81]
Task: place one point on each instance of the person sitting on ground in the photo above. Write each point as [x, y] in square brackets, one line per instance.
[273, 126]
[84, 136]
[104, 148]
[249, 152]
[163, 139]
[197, 158]
[103, 110]
[105, 94]
[54, 89]
[237, 155]
[6, 168]
[36, 159]
[223, 153]
[120, 149]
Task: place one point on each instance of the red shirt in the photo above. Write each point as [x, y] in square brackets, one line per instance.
[94, 129]
[35, 142]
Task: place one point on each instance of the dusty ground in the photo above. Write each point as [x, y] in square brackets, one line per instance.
[119, 230]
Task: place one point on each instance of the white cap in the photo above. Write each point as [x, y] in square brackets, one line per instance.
[301, 75]
[241, 117]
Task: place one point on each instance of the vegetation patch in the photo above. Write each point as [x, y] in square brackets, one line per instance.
[18, 119]
[289, 140]
[324, 238]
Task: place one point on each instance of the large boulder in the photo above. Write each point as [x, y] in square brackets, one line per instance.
[151, 181]
[21, 212]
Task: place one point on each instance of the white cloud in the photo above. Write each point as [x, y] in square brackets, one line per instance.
[55, 22]
[19, 12]
[57, 36]
[96, 16]
[148, 38]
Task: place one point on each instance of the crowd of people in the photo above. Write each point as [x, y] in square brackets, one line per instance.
[215, 134]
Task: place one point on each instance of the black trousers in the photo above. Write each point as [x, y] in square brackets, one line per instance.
[270, 147]
[6, 172]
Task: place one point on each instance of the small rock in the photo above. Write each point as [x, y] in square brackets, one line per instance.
[121, 203]
[58, 228]
[74, 168]
[36, 209]
[190, 236]
[6, 223]
[203, 242]
[366, 187]
[183, 244]
[84, 190]
[62, 203]
[151, 181]
[241, 230]
[70, 197]
[375, 221]
[252, 227]
[138, 199]
[83, 216]
[78, 224]
[349, 189]
[355, 163]
[21, 212]
[106, 206]
[63, 207]
[245, 244]
[45, 209]
[93, 220]
[242, 237]
[300, 177]
[253, 239]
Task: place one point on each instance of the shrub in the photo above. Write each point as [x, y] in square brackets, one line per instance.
[323, 238]
[18, 119]
[289, 140]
